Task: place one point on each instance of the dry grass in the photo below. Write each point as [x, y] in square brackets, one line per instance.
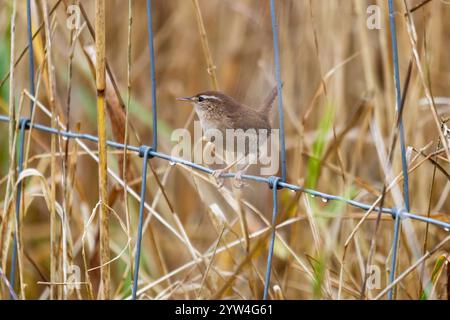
[339, 102]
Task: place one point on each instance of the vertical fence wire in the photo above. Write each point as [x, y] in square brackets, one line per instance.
[276, 53]
[145, 150]
[152, 73]
[12, 277]
[274, 181]
[402, 145]
[397, 226]
[12, 294]
[145, 153]
[22, 138]
[30, 53]
[274, 186]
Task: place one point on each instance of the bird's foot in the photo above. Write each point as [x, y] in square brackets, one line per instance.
[217, 174]
[238, 181]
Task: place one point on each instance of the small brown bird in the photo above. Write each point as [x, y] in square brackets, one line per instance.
[217, 110]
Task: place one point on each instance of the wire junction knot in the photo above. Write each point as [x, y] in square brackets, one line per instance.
[24, 123]
[145, 150]
[273, 182]
[398, 212]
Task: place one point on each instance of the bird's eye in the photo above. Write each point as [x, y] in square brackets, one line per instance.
[200, 99]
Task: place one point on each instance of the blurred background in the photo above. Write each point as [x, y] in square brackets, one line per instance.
[339, 105]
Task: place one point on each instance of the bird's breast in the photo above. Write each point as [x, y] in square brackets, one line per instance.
[211, 120]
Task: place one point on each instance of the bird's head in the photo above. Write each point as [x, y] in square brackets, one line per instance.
[211, 101]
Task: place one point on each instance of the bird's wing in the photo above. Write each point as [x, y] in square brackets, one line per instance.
[251, 119]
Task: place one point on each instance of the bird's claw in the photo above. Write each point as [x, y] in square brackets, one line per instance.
[238, 181]
[217, 174]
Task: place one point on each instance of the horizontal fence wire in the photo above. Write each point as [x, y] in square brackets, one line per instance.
[394, 212]
[273, 182]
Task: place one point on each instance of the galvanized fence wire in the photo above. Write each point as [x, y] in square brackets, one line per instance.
[273, 182]
[21, 142]
[276, 57]
[398, 95]
[274, 185]
[144, 151]
[152, 74]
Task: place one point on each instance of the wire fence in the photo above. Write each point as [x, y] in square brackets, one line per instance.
[274, 182]
[398, 95]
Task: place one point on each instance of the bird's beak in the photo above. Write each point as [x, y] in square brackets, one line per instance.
[190, 99]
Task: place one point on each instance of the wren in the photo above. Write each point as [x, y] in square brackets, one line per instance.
[219, 111]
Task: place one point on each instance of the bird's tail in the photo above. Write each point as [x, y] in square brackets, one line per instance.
[267, 105]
